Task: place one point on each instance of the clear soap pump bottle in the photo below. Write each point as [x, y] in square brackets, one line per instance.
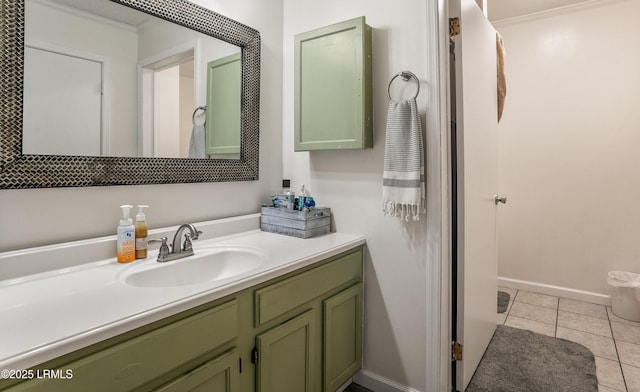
[126, 237]
[301, 198]
[141, 233]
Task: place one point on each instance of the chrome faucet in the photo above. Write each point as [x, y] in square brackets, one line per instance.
[177, 250]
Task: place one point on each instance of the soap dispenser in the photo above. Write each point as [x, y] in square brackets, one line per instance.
[301, 198]
[126, 237]
[286, 197]
[141, 233]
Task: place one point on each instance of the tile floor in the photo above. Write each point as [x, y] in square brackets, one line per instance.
[615, 342]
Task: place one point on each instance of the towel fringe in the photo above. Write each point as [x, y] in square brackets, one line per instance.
[402, 210]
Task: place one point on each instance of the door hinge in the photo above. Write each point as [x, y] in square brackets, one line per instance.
[456, 351]
[454, 27]
[254, 355]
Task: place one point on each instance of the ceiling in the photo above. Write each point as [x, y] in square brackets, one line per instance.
[503, 9]
[108, 10]
[497, 9]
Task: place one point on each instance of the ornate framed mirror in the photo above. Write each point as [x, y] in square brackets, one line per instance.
[38, 170]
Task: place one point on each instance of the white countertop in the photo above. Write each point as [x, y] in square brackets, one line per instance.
[46, 315]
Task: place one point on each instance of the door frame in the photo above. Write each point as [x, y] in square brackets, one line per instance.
[438, 334]
[453, 210]
[146, 93]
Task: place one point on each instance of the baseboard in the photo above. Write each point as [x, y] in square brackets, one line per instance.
[345, 385]
[558, 291]
[377, 383]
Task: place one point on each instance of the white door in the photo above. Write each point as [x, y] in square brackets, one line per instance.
[62, 104]
[477, 179]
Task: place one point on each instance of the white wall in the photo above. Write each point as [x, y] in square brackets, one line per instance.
[167, 130]
[45, 216]
[187, 108]
[569, 142]
[350, 182]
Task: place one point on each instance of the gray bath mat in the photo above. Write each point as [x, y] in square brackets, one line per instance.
[503, 301]
[518, 360]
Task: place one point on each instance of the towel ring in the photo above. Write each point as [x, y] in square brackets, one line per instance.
[406, 75]
[193, 116]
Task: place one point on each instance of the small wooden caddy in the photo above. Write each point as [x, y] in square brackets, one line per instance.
[301, 224]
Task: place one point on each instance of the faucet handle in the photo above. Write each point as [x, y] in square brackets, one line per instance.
[187, 246]
[164, 248]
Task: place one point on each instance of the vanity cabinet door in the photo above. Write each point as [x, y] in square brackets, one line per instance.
[286, 356]
[218, 375]
[342, 330]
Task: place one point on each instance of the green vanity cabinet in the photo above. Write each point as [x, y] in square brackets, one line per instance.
[333, 106]
[146, 359]
[315, 318]
[300, 332]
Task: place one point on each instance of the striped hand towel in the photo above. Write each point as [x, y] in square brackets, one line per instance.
[403, 189]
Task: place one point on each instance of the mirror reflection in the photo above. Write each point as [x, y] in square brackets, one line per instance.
[101, 79]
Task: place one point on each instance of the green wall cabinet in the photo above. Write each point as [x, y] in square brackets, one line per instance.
[304, 328]
[333, 107]
[222, 126]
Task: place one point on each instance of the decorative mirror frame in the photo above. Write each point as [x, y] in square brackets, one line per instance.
[20, 171]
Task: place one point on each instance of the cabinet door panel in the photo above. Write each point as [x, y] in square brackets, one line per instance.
[223, 106]
[342, 336]
[287, 356]
[218, 375]
[332, 77]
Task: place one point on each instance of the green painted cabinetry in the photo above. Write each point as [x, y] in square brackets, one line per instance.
[333, 107]
[140, 360]
[300, 332]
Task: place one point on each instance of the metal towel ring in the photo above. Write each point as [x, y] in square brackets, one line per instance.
[406, 75]
[193, 116]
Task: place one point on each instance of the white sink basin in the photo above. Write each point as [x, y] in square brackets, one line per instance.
[205, 266]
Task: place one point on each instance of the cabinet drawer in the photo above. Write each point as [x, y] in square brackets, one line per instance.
[137, 361]
[279, 298]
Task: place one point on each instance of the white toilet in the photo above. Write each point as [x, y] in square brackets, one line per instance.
[625, 294]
